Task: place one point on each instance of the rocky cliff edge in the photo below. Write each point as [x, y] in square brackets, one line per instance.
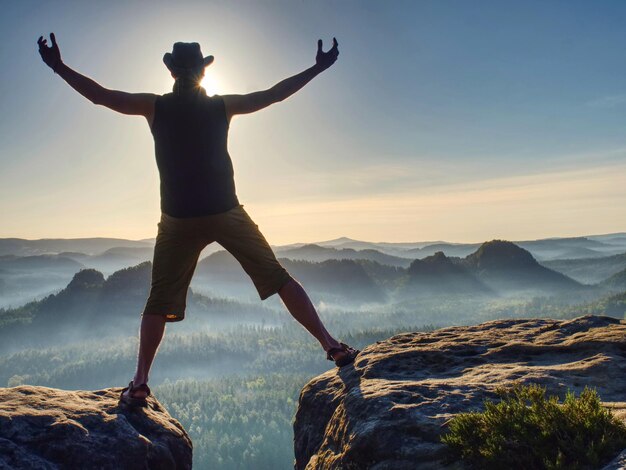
[45, 428]
[388, 410]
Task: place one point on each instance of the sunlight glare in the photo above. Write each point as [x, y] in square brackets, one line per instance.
[209, 83]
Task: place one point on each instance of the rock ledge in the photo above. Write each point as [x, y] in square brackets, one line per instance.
[389, 409]
[47, 428]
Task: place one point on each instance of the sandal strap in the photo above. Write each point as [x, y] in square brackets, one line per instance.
[344, 348]
[331, 351]
[132, 388]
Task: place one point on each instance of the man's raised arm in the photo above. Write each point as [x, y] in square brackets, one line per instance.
[127, 103]
[249, 103]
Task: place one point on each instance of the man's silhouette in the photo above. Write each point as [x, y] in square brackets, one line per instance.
[198, 200]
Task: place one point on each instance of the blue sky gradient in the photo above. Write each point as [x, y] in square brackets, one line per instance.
[454, 120]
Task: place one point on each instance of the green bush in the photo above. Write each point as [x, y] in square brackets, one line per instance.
[527, 430]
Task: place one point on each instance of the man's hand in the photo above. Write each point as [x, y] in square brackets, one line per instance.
[323, 60]
[50, 55]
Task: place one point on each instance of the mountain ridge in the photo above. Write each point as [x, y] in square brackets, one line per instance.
[611, 243]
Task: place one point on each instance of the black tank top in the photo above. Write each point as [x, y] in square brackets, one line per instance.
[190, 133]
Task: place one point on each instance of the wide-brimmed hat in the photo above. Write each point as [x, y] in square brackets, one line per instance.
[186, 57]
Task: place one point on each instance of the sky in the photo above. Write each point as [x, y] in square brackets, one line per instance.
[441, 120]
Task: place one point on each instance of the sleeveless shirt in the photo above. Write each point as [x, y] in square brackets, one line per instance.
[190, 133]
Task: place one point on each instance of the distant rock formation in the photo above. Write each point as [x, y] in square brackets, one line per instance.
[86, 279]
[449, 249]
[438, 274]
[504, 266]
[47, 428]
[389, 409]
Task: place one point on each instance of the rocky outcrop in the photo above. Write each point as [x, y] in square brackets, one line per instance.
[389, 409]
[505, 267]
[47, 428]
[438, 274]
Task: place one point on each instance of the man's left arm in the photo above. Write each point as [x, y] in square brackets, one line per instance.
[251, 102]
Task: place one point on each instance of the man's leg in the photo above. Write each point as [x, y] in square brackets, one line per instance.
[176, 251]
[150, 336]
[301, 308]
[243, 239]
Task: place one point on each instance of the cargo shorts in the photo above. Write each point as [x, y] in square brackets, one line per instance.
[178, 245]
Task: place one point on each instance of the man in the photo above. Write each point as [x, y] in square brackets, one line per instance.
[198, 200]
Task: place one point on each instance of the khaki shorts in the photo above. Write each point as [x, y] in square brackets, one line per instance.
[178, 246]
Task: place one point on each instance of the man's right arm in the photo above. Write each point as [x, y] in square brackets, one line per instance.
[141, 104]
[120, 101]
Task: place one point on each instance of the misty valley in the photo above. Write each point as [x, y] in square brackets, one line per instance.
[231, 371]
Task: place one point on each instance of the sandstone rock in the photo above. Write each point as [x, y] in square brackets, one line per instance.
[389, 409]
[47, 428]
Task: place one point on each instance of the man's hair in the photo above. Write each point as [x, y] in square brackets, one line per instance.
[190, 75]
[188, 81]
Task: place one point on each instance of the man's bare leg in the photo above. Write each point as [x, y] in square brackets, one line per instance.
[301, 308]
[150, 336]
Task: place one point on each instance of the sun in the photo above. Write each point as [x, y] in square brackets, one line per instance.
[209, 83]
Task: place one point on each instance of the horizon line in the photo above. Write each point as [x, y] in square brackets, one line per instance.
[346, 238]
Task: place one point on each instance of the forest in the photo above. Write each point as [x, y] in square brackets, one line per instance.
[232, 371]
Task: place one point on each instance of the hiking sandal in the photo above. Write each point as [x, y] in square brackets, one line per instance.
[346, 359]
[130, 399]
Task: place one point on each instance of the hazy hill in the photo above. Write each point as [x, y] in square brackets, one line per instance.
[92, 306]
[383, 274]
[581, 253]
[557, 248]
[616, 282]
[115, 258]
[618, 238]
[220, 268]
[89, 295]
[543, 249]
[24, 278]
[39, 262]
[89, 307]
[448, 249]
[589, 270]
[504, 266]
[345, 280]
[551, 248]
[91, 246]
[614, 305]
[438, 274]
[75, 255]
[345, 242]
[317, 253]
[121, 252]
[574, 247]
[569, 242]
